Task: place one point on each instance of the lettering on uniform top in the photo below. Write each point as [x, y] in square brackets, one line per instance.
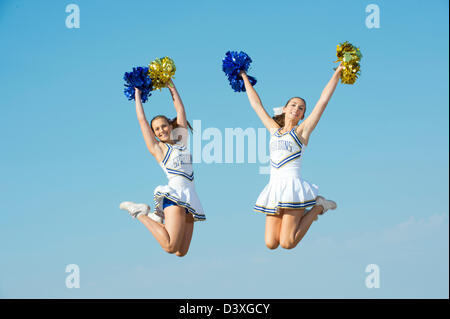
[281, 145]
[181, 160]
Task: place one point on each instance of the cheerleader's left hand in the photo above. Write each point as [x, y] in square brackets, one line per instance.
[170, 84]
[339, 68]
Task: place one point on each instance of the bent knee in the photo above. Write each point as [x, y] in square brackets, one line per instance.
[287, 244]
[171, 249]
[181, 253]
[272, 244]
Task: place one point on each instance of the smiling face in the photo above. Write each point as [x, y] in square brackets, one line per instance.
[294, 110]
[162, 129]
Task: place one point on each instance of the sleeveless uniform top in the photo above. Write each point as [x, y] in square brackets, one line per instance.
[177, 165]
[286, 152]
[286, 188]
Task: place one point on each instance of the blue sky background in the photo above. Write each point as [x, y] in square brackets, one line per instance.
[72, 149]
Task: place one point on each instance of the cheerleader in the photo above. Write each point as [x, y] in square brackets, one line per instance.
[285, 198]
[177, 205]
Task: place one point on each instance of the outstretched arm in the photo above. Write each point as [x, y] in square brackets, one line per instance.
[178, 104]
[256, 104]
[149, 136]
[307, 126]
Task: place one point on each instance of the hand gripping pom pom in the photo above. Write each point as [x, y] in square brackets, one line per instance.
[161, 71]
[349, 56]
[232, 64]
[138, 78]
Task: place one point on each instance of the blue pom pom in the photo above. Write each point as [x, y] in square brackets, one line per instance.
[232, 64]
[138, 78]
[237, 83]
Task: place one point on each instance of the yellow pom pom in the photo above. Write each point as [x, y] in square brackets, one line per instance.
[349, 56]
[161, 71]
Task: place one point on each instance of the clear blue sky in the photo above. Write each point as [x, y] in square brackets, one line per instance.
[72, 149]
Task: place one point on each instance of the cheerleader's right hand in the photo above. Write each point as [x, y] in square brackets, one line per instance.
[137, 93]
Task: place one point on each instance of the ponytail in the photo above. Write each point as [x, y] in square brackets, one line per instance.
[279, 119]
[174, 123]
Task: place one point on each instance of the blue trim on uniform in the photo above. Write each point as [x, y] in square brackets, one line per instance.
[175, 172]
[272, 211]
[296, 139]
[264, 210]
[168, 153]
[292, 156]
[277, 134]
[177, 202]
[179, 147]
[168, 202]
[299, 205]
[286, 160]
[171, 170]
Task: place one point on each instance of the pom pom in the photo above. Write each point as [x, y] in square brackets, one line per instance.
[349, 56]
[237, 83]
[232, 64]
[161, 71]
[138, 78]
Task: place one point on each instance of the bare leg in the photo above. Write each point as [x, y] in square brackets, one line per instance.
[186, 242]
[170, 234]
[306, 222]
[272, 235]
[294, 225]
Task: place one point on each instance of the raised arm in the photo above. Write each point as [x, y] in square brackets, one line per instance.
[178, 104]
[256, 104]
[307, 126]
[149, 136]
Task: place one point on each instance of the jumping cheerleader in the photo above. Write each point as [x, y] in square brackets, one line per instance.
[177, 205]
[287, 195]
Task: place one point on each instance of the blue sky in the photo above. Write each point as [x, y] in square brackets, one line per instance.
[72, 149]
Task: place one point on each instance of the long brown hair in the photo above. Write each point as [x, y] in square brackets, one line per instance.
[280, 118]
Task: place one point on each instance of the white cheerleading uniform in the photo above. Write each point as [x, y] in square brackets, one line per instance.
[286, 188]
[177, 164]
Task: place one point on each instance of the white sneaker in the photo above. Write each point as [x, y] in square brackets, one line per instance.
[135, 209]
[325, 203]
[157, 218]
